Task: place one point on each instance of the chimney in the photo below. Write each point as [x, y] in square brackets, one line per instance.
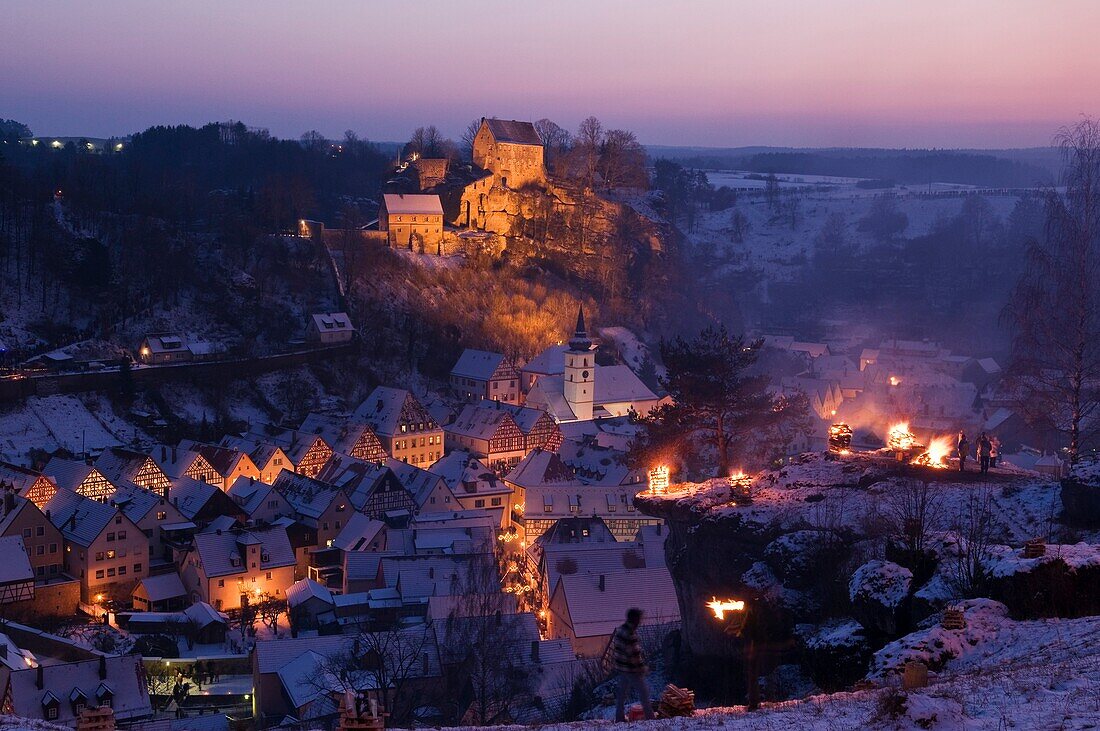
[9, 501]
[431, 572]
[164, 492]
[534, 650]
[102, 667]
[163, 453]
[173, 455]
[603, 583]
[72, 522]
[39, 681]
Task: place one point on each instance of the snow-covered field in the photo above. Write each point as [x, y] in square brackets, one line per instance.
[81, 423]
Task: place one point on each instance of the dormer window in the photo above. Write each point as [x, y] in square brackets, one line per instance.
[51, 706]
[104, 695]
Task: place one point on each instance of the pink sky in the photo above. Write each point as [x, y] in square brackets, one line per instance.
[969, 73]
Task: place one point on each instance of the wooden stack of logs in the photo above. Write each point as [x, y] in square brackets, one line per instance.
[676, 702]
[953, 618]
[101, 718]
[1035, 548]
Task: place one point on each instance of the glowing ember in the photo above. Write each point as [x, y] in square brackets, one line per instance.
[840, 438]
[939, 449]
[721, 606]
[894, 380]
[899, 438]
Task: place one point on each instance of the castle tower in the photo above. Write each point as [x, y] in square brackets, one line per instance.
[580, 372]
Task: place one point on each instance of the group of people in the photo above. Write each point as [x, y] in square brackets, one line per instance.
[987, 451]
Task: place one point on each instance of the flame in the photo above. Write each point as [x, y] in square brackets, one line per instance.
[899, 438]
[721, 606]
[939, 449]
[894, 380]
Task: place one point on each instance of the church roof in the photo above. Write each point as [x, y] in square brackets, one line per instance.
[513, 131]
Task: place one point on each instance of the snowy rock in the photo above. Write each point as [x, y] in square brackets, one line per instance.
[1063, 582]
[879, 591]
[835, 654]
[1081, 493]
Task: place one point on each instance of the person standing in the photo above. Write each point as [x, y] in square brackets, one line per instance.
[994, 451]
[963, 447]
[985, 448]
[627, 660]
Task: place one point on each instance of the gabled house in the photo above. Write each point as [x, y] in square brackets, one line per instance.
[329, 328]
[373, 488]
[260, 502]
[16, 574]
[201, 502]
[178, 462]
[226, 567]
[104, 549]
[228, 463]
[429, 491]
[512, 150]
[346, 436]
[154, 514]
[475, 486]
[269, 458]
[488, 433]
[60, 692]
[79, 477]
[35, 486]
[308, 453]
[479, 374]
[319, 505]
[120, 466]
[412, 221]
[43, 542]
[407, 431]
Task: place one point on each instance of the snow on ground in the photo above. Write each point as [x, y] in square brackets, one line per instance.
[68, 422]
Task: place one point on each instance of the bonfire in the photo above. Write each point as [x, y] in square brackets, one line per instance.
[936, 454]
[899, 438]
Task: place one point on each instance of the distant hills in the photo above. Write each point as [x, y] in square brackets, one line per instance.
[1011, 168]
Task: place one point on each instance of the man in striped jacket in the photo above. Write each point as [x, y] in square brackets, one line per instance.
[628, 661]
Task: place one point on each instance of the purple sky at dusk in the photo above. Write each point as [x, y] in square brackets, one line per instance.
[968, 73]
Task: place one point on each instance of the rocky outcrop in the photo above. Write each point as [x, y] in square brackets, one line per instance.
[879, 591]
[1063, 582]
[1081, 494]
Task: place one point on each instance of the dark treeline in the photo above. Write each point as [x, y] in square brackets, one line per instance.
[903, 166]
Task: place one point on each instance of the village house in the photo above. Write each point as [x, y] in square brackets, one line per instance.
[429, 491]
[475, 486]
[269, 458]
[550, 362]
[43, 542]
[35, 486]
[586, 391]
[586, 608]
[176, 462]
[79, 477]
[228, 463]
[202, 502]
[159, 348]
[412, 222]
[161, 593]
[330, 328]
[407, 431]
[120, 466]
[60, 692]
[154, 514]
[373, 488]
[490, 434]
[307, 453]
[16, 574]
[346, 436]
[318, 505]
[103, 548]
[259, 501]
[479, 374]
[224, 567]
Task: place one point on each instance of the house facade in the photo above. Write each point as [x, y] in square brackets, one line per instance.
[512, 150]
[412, 222]
[479, 374]
[224, 568]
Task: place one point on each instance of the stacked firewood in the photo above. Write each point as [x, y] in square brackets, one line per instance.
[676, 702]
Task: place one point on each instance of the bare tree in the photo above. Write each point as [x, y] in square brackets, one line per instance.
[912, 512]
[554, 139]
[1055, 308]
[622, 160]
[973, 531]
[468, 136]
[383, 661]
[586, 149]
[269, 608]
[314, 141]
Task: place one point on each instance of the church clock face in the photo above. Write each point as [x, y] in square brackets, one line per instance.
[584, 374]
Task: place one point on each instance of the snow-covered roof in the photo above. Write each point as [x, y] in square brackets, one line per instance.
[595, 611]
[343, 435]
[478, 422]
[124, 680]
[412, 204]
[615, 384]
[467, 475]
[67, 473]
[223, 459]
[550, 362]
[332, 322]
[162, 587]
[189, 496]
[250, 493]
[15, 565]
[216, 550]
[482, 365]
[360, 534]
[119, 465]
[420, 483]
[166, 342]
[134, 502]
[79, 519]
[204, 614]
[305, 589]
[386, 409]
[309, 497]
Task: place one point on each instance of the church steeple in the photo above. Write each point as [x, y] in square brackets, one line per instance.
[580, 340]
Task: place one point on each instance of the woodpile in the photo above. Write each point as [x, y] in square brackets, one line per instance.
[101, 718]
[1035, 548]
[953, 618]
[915, 675]
[676, 702]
